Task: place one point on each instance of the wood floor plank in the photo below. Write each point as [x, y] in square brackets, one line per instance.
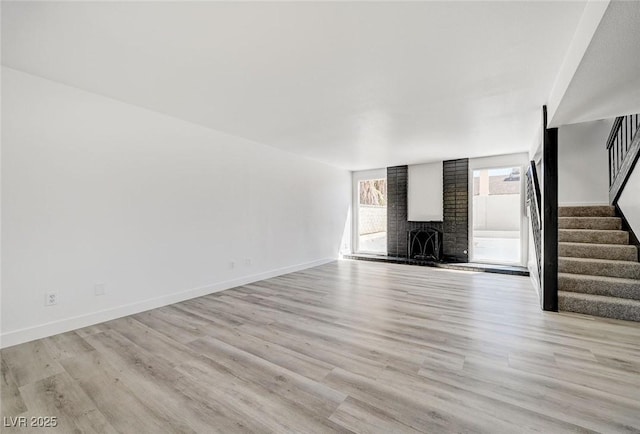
[11, 402]
[295, 362]
[593, 378]
[402, 406]
[345, 347]
[151, 340]
[483, 411]
[97, 328]
[150, 376]
[30, 362]
[66, 345]
[322, 351]
[273, 378]
[170, 324]
[360, 417]
[61, 397]
[582, 407]
[121, 406]
[272, 411]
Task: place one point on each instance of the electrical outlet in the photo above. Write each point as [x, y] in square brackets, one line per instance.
[99, 289]
[247, 261]
[51, 298]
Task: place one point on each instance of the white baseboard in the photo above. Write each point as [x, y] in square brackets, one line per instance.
[40, 331]
[533, 275]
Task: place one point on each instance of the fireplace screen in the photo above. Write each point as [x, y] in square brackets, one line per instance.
[424, 245]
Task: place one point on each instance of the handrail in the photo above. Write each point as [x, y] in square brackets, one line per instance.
[535, 209]
[614, 131]
[623, 146]
[535, 185]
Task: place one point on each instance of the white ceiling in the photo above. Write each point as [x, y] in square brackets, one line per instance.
[357, 85]
[607, 81]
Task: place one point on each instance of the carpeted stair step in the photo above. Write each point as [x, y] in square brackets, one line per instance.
[599, 267]
[616, 252]
[601, 223]
[587, 211]
[593, 236]
[599, 305]
[599, 285]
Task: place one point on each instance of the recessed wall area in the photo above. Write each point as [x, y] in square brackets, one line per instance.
[437, 197]
[453, 201]
[583, 172]
[629, 201]
[424, 192]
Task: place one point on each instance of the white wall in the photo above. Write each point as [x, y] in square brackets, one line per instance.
[583, 171]
[629, 201]
[497, 212]
[99, 191]
[424, 192]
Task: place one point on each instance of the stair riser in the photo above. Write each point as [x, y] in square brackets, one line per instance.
[627, 270]
[599, 251]
[607, 309]
[610, 289]
[586, 211]
[593, 237]
[610, 223]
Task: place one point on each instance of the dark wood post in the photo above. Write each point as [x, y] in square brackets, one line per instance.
[549, 216]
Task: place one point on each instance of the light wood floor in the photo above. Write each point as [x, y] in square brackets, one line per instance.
[349, 346]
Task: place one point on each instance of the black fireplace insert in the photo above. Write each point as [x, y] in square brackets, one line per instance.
[424, 245]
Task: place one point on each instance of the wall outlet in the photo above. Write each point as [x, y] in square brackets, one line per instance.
[50, 298]
[247, 261]
[99, 289]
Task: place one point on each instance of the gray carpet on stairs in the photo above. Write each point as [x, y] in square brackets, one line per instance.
[598, 305]
[617, 252]
[601, 223]
[593, 236]
[587, 211]
[599, 267]
[599, 272]
[599, 285]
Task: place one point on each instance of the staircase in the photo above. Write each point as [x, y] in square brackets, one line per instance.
[598, 271]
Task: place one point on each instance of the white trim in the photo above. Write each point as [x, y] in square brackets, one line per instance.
[27, 334]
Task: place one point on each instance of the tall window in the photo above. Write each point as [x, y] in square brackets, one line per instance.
[372, 216]
[496, 216]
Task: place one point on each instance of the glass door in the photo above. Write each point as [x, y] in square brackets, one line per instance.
[497, 216]
[372, 216]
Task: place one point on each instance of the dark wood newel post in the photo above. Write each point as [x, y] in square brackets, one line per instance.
[549, 215]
